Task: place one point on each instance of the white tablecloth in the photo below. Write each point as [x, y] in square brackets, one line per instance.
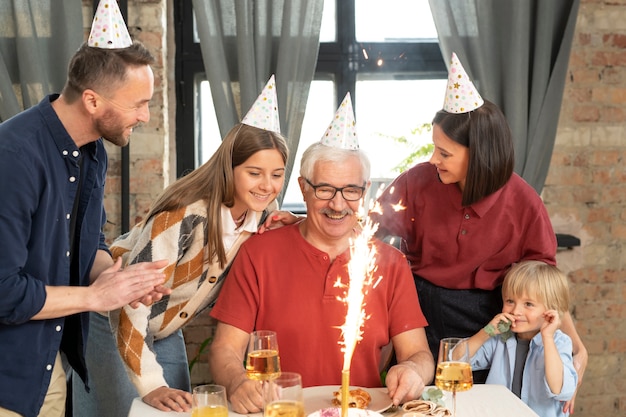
[489, 401]
[480, 401]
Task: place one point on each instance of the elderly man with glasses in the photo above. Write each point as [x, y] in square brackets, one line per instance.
[291, 280]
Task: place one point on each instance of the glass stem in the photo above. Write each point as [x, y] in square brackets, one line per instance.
[454, 403]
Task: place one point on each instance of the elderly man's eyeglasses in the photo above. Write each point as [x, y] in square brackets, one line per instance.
[328, 192]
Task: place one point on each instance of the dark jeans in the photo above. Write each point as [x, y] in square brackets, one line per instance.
[456, 313]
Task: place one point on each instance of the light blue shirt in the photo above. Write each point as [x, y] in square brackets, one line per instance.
[500, 356]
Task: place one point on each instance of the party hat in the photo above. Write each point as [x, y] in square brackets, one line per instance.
[264, 111]
[461, 95]
[108, 30]
[342, 130]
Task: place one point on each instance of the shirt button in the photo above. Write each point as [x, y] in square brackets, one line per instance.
[65, 152]
[183, 315]
[58, 328]
[72, 179]
[67, 253]
[67, 216]
[75, 153]
[212, 280]
[48, 367]
[463, 232]
[467, 216]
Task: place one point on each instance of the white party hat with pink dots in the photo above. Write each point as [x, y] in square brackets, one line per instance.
[461, 95]
[108, 30]
[264, 111]
[341, 133]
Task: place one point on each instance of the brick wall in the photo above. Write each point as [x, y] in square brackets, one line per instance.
[585, 194]
[585, 191]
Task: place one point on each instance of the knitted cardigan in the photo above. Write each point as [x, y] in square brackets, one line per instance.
[180, 237]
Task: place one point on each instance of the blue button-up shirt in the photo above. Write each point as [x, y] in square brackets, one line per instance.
[39, 177]
[535, 390]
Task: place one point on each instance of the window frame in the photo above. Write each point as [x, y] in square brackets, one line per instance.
[341, 61]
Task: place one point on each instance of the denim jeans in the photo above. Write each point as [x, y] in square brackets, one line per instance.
[112, 393]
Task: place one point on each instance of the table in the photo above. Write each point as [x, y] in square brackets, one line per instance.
[483, 400]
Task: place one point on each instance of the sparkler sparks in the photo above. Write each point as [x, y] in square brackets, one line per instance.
[361, 268]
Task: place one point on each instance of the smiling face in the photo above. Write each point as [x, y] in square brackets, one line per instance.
[450, 158]
[528, 312]
[258, 181]
[126, 107]
[334, 219]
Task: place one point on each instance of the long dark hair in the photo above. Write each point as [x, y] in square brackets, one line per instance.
[487, 135]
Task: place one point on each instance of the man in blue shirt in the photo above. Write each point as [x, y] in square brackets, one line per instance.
[54, 263]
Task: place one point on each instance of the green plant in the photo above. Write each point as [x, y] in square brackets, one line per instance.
[201, 351]
[413, 143]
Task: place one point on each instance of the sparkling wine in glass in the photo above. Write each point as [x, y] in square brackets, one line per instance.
[454, 372]
[263, 362]
[284, 396]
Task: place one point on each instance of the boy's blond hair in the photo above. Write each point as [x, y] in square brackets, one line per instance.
[539, 280]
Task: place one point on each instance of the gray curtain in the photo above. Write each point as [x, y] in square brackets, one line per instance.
[517, 53]
[37, 39]
[254, 39]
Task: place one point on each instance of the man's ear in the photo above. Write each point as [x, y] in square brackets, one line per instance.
[302, 184]
[91, 101]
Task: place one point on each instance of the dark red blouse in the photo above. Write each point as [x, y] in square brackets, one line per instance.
[464, 247]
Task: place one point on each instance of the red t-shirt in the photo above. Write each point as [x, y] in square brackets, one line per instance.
[464, 247]
[280, 282]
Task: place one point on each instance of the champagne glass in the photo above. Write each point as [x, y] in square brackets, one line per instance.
[454, 372]
[284, 396]
[209, 401]
[263, 363]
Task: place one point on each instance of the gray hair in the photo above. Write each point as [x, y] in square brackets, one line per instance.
[320, 152]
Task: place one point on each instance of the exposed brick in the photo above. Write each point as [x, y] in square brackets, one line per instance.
[585, 76]
[605, 157]
[578, 95]
[586, 114]
[615, 39]
[600, 214]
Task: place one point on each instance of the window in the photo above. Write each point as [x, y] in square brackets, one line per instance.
[386, 54]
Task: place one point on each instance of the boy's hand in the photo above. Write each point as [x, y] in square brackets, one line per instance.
[501, 323]
[552, 321]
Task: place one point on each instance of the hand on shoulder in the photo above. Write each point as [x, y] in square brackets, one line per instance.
[278, 218]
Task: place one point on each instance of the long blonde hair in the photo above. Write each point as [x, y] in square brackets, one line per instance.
[214, 181]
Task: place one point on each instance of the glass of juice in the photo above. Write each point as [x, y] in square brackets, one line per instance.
[209, 401]
[284, 396]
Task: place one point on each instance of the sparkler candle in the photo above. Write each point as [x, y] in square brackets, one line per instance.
[361, 269]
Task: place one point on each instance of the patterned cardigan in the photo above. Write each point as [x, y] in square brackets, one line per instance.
[180, 237]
